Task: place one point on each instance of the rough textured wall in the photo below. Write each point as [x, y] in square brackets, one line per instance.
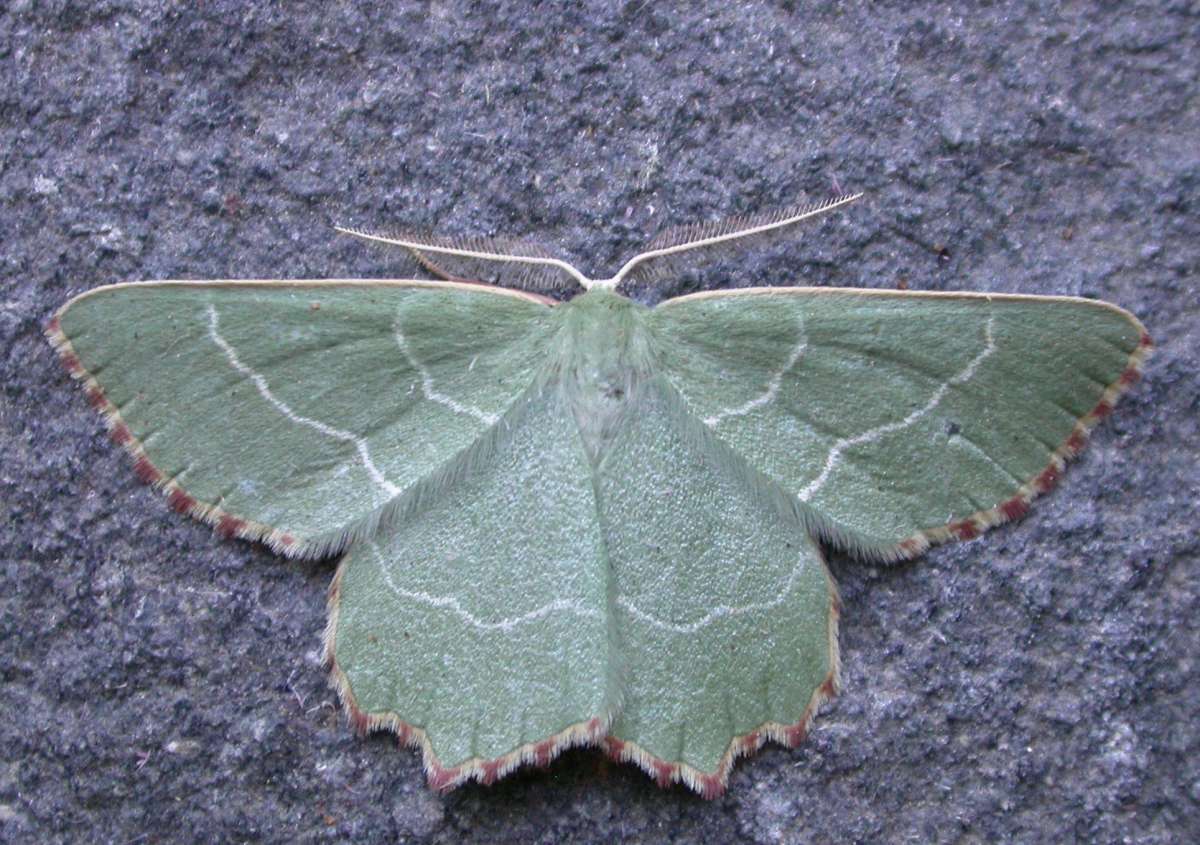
[1039, 683]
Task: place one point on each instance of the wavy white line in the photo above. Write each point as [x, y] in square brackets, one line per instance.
[427, 383]
[574, 606]
[773, 386]
[717, 613]
[456, 607]
[835, 452]
[264, 390]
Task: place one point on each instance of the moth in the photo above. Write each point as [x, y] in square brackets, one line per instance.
[591, 522]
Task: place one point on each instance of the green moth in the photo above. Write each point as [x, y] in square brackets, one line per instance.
[591, 522]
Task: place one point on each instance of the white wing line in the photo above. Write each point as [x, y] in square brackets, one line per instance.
[718, 613]
[871, 435]
[773, 386]
[455, 607]
[264, 390]
[427, 384]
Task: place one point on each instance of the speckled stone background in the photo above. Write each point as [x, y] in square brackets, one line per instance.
[1040, 684]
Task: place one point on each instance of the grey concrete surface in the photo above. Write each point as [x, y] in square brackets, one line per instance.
[158, 684]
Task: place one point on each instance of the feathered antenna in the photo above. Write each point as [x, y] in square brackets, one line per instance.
[507, 262]
[651, 266]
[523, 265]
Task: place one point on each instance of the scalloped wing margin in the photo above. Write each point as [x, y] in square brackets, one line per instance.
[541, 753]
[226, 523]
[592, 733]
[415, 546]
[1018, 505]
[478, 610]
[1035, 484]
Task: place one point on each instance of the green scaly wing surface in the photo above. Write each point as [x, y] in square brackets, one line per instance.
[293, 411]
[900, 419]
[476, 624]
[725, 613]
[592, 523]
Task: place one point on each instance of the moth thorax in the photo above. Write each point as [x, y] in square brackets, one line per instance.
[606, 356]
[601, 398]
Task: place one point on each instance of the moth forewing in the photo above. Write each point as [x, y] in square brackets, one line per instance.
[591, 522]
